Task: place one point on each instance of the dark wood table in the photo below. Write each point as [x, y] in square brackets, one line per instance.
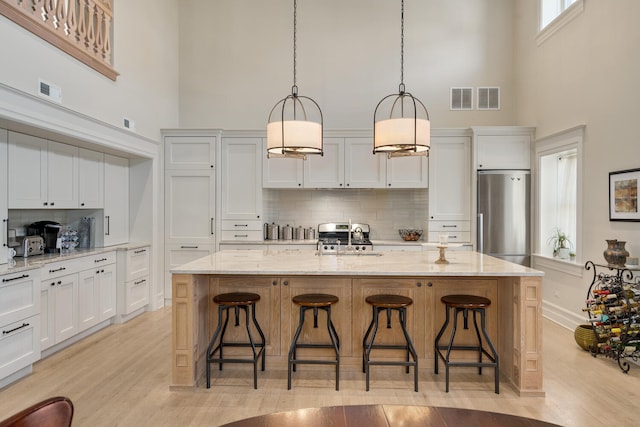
[388, 415]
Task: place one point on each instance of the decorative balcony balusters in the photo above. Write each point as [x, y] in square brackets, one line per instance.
[81, 28]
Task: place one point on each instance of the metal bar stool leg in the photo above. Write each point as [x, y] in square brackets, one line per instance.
[493, 350]
[437, 343]
[410, 348]
[336, 346]
[292, 349]
[366, 336]
[211, 344]
[259, 329]
[480, 344]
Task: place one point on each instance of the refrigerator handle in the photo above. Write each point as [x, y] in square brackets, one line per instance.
[480, 233]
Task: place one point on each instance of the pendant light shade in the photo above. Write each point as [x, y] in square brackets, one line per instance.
[295, 122]
[401, 125]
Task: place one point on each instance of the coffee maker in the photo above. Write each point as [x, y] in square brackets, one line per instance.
[48, 230]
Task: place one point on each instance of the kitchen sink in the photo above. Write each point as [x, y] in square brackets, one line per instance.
[344, 253]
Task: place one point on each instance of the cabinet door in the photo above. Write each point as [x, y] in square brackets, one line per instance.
[241, 178]
[340, 314]
[189, 152]
[137, 263]
[415, 289]
[189, 206]
[90, 179]
[27, 171]
[408, 172]
[179, 254]
[19, 345]
[363, 169]
[279, 172]
[504, 152]
[267, 312]
[65, 307]
[116, 200]
[62, 175]
[4, 194]
[88, 300]
[326, 171]
[47, 318]
[450, 177]
[107, 284]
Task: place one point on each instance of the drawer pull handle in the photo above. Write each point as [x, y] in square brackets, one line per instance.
[140, 281]
[240, 235]
[188, 247]
[449, 226]
[240, 225]
[140, 251]
[57, 269]
[99, 260]
[24, 276]
[24, 325]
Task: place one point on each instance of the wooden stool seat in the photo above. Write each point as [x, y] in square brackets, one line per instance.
[245, 301]
[237, 298]
[389, 301]
[465, 304]
[466, 301]
[315, 300]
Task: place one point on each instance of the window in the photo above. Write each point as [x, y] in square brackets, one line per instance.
[554, 14]
[558, 189]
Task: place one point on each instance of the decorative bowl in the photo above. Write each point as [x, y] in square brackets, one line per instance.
[585, 337]
[409, 234]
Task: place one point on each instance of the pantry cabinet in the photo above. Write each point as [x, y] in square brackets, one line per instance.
[241, 172]
[90, 179]
[116, 200]
[4, 210]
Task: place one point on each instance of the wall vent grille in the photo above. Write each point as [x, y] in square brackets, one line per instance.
[488, 98]
[461, 98]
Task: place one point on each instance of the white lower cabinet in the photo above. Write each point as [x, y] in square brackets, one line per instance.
[178, 254]
[19, 321]
[133, 281]
[59, 298]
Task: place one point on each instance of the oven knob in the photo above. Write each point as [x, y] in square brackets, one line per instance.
[357, 248]
[332, 248]
[364, 248]
[325, 247]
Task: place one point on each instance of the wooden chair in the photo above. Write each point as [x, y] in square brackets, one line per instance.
[52, 412]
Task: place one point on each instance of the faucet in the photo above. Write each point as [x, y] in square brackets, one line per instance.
[349, 238]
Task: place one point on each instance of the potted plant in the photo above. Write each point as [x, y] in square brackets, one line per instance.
[560, 243]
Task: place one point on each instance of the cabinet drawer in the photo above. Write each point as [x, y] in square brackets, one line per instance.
[19, 296]
[137, 263]
[242, 235]
[454, 237]
[449, 226]
[61, 268]
[19, 345]
[97, 260]
[241, 225]
[137, 294]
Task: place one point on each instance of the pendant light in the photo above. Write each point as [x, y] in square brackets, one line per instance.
[295, 122]
[401, 125]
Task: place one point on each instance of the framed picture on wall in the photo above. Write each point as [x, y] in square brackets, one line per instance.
[623, 195]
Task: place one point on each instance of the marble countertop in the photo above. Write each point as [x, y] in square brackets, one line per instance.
[23, 264]
[306, 262]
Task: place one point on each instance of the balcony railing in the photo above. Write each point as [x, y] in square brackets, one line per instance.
[81, 28]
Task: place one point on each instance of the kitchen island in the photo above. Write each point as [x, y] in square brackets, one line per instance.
[514, 319]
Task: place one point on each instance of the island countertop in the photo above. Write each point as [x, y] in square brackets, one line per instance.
[307, 262]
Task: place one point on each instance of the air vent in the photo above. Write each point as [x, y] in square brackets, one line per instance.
[128, 123]
[461, 98]
[488, 98]
[49, 91]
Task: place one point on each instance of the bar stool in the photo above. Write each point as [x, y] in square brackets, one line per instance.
[237, 301]
[315, 302]
[387, 303]
[463, 304]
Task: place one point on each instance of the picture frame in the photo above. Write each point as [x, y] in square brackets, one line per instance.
[623, 195]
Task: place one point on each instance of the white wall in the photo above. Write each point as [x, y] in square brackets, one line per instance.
[587, 73]
[236, 58]
[145, 51]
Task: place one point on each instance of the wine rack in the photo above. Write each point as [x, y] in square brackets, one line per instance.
[613, 305]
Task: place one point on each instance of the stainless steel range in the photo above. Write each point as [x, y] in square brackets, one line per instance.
[343, 237]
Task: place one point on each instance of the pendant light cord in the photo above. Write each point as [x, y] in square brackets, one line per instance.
[401, 87]
[294, 88]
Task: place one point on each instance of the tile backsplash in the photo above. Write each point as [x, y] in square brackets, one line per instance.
[384, 210]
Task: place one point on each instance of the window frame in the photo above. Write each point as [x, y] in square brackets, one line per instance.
[563, 18]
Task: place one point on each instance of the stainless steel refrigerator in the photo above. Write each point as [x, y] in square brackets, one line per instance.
[504, 214]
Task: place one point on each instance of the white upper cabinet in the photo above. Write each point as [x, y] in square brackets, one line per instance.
[62, 174]
[241, 171]
[450, 179]
[189, 206]
[27, 171]
[116, 200]
[91, 179]
[363, 169]
[408, 172]
[503, 148]
[326, 171]
[4, 212]
[280, 172]
[189, 152]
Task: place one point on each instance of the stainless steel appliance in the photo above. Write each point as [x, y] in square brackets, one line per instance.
[504, 214]
[29, 245]
[337, 237]
[48, 230]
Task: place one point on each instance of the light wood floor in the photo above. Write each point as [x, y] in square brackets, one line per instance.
[120, 377]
